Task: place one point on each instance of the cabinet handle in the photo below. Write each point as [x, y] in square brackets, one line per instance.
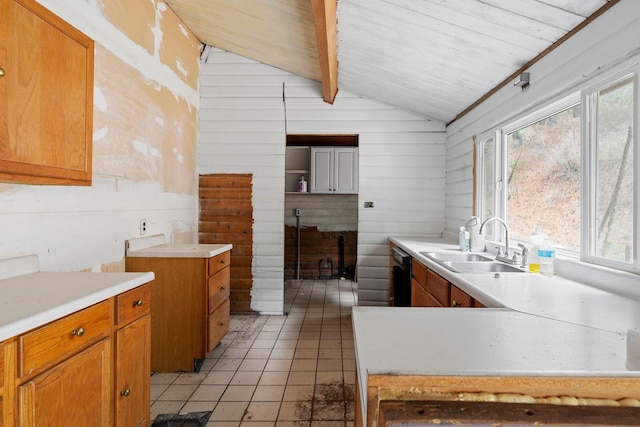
[222, 288]
[126, 392]
[221, 261]
[78, 332]
[138, 303]
[1, 72]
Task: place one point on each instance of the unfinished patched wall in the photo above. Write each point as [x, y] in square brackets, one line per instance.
[144, 148]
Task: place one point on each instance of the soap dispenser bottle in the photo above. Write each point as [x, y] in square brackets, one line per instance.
[463, 239]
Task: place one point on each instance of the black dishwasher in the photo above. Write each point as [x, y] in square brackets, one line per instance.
[401, 278]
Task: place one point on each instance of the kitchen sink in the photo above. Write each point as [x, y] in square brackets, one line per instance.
[480, 267]
[457, 256]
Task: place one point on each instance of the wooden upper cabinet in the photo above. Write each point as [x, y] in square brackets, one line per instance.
[46, 97]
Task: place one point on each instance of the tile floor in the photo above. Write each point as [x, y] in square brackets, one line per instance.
[271, 371]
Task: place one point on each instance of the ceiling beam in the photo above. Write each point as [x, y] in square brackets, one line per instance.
[324, 18]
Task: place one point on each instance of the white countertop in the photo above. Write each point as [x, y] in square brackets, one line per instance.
[33, 299]
[555, 298]
[445, 341]
[154, 247]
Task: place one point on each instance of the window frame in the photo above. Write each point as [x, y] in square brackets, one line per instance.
[587, 233]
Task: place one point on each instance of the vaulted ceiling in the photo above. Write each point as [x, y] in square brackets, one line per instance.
[435, 58]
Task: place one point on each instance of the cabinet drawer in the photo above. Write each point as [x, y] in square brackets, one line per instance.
[218, 262]
[218, 288]
[419, 271]
[57, 340]
[438, 287]
[218, 325]
[460, 298]
[133, 304]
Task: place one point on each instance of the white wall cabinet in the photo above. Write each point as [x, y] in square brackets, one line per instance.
[334, 170]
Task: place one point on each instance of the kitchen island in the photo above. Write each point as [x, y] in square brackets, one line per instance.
[545, 341]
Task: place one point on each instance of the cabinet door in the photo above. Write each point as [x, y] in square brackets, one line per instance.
[133, 371]
[460, 298]
[46, 97]
[76, 392]
[418, 294]
[321, 170]
[346, 171]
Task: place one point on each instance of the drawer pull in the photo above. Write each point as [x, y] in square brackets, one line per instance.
[126, 392]
[78, 332]
[222, 288]
[138, 303]
[221, 261]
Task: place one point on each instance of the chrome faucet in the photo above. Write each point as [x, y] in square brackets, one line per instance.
[501, 257]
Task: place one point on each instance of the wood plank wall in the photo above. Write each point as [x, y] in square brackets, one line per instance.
[243, 128]
[226, 216]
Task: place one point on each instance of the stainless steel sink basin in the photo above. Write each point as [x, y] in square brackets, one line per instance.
[480, 267]
[457, 256]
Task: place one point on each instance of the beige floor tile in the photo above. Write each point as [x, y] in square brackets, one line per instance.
[324, 343]
[218, 377]
[310, 335]
[298, 393]
[268, 393]
[302, 378]
[306, 353]
[207, 364]
[178, 392]
[282, 353]
[227, 365]
[223, 423]
[257, 424]
[190, 378]
[348, 353]
[207, 393]
[329, 365]
[288, 335]
[258, 353]
[252, 365]
[285, 343]
[304, 364]
[293, 424]
[330, 335]
[263, 343]
[246, 378]
[164, 378]
[240, 343]
[228, 411]
[278, 365]
[266, 335]
[347, 343]
[308, 344]
[274, 378]
[192, 406]
[234, 353]
[272, 327]
[157, 390]
[329, 353]
[238, 393]
[329, 377]
[262, 411]
[295, 411]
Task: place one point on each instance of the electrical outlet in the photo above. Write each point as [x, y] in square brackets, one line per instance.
[298, 212]
[143, 227]
[368, 204]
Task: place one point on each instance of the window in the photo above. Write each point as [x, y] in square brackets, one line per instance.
[569, 168]
[610, 191]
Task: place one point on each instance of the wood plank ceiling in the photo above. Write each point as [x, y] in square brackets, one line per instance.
[431, 57]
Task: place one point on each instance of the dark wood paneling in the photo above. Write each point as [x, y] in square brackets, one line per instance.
[226, 216]
[316, 245]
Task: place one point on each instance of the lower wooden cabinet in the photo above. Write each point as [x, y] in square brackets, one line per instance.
[429, 289]
[90, 368]
[190, 312]
[76, 392]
